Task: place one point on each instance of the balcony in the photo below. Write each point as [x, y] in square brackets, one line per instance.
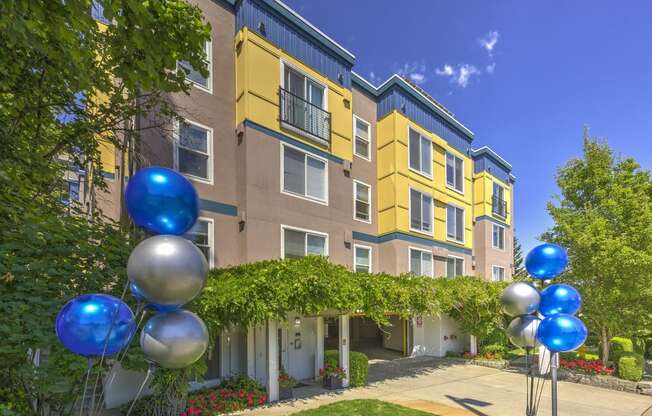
[498, 207]
[305, 117]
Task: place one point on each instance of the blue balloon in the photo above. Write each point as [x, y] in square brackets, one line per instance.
[546, 261]
[90, 325]
[562, 333]
[559, 298]
[162, 201]
[138, 295]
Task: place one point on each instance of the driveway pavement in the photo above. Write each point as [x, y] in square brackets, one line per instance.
[464, 390]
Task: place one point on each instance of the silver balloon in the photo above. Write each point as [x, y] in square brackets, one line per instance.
[168, 270]
[174, 339]
[522, 331]
[520, 299]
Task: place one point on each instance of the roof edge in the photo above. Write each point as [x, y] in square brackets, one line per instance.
[491, 153]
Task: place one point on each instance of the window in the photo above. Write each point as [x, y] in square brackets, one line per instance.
[455, 223]
[362, 201]
[299, 243]
[420, 212]
[454, 266]
[73, 191]
[304, 104]
[202, 235]
[304, 175]
[420, 149]
[194, 150]
[498, 237]
[420, 262]
[362, 134]
[455, 172]
[498, 204]
[497, 273]
[361, 258]
[194, 76]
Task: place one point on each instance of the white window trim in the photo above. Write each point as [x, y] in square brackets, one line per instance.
[495, 266]
[304, 197]
[463, 240]
[209, 148]
[432, 259]
[355, 181]
[303, 230]
[492, 237]
[422, 134]
[209, 59]
[355, 119]
[432, 212]
[457, 258]
[452, 188]
[211, 240]
[355, 264]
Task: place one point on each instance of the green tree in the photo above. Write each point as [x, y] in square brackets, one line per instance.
[603, 217]
[519, 269]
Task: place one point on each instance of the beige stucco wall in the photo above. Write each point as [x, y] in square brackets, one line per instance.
[486, 256]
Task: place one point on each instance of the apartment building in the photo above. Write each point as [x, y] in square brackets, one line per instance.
[293, 153]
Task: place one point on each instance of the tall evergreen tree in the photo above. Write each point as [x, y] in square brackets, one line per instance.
[519, 269]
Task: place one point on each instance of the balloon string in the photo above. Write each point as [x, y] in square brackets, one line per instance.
[88, 373]
[544, 379]
[150, 369]
[140, 311]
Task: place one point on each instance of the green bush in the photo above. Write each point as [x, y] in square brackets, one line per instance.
[358, 366]
[619, 345]
[631, 366]
[648, 347]
[453, 354]
[493, 351]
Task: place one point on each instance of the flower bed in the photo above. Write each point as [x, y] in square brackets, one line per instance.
[229, 396]
[586, 366]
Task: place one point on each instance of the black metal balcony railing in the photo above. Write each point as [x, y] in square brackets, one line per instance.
[305, 116]
[499, 206]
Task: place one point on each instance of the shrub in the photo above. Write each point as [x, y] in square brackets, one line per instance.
[493, 351]
[631, 366]
[648, 347]
[358, 366]
[585, 366]
[230, 395]
[639, 345]
[617, 346]
[453, 354]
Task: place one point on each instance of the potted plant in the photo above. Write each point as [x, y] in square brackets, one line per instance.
[332, 376]
[285, 385]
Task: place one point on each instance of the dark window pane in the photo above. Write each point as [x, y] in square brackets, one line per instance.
[294, 243]
[294, 171]
[415, 153]
[193, 163]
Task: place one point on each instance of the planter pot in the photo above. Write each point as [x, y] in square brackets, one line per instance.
[333, 383]
[285, 393]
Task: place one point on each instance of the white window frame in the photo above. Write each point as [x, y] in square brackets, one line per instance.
[492, 237]
[421, 250]
[303, 230]
[356, 119]
[211, 240]
[493, 269]
[364, 247]
[452, 187]
[355, 198]
[423, 135]
[209, 149]
[308, 154]
[209, 64]
[462, 241]
[432, 211]
[456, 258]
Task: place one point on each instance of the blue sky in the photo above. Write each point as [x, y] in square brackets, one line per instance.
[525, 77]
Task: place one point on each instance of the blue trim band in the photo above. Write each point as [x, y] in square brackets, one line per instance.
[492, 219]
[407, 237]
[218, 207]
[108, 175]
[293, 142]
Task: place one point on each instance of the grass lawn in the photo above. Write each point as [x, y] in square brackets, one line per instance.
[362, 408]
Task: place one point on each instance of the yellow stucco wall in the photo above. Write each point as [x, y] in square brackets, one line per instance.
[395, 179]
[258, 78]
[483, 193]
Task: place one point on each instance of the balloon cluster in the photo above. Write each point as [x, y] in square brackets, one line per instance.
[545, 317]
[165, 272]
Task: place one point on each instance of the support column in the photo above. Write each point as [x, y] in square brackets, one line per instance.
[344, 346]
[473, 348]
[251, 352]
[319, 344]
[272, 360]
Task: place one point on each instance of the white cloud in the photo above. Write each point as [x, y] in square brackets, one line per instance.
[491, 68]
[459, 75]
[489, 41]
[415, 71]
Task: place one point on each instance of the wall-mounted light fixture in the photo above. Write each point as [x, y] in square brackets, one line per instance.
[297, 321]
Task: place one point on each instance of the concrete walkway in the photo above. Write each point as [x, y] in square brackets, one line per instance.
[448, 389]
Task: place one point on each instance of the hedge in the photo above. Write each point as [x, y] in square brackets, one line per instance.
[358, 366]
[631, 366]
[648, 347]
[619, 345]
